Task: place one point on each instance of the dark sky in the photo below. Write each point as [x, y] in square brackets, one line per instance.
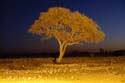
[18, 15]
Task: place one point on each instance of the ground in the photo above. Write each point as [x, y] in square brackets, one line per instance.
[71, 70]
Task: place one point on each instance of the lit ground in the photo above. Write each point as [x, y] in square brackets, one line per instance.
[72, 70]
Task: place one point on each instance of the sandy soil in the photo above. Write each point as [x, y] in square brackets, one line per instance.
[72, 70]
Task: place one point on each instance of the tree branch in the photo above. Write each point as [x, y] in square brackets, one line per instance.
[73, 43]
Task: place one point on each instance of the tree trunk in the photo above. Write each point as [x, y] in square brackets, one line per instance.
[62, 51]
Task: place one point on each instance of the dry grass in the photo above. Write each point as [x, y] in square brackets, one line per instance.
[72, 70]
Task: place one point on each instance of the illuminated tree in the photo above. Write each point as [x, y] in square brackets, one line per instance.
[67, 27]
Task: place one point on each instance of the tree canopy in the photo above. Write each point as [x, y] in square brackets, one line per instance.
[67, 27]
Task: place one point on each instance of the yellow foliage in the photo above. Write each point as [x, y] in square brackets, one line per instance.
[65, 25]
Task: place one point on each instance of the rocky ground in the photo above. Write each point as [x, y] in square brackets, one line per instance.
[71, 70]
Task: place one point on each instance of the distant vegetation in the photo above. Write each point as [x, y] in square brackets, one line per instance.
[101, 53]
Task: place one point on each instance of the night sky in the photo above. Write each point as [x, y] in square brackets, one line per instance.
[18, 15]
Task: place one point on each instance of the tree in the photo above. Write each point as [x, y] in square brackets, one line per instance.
[67, 27]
